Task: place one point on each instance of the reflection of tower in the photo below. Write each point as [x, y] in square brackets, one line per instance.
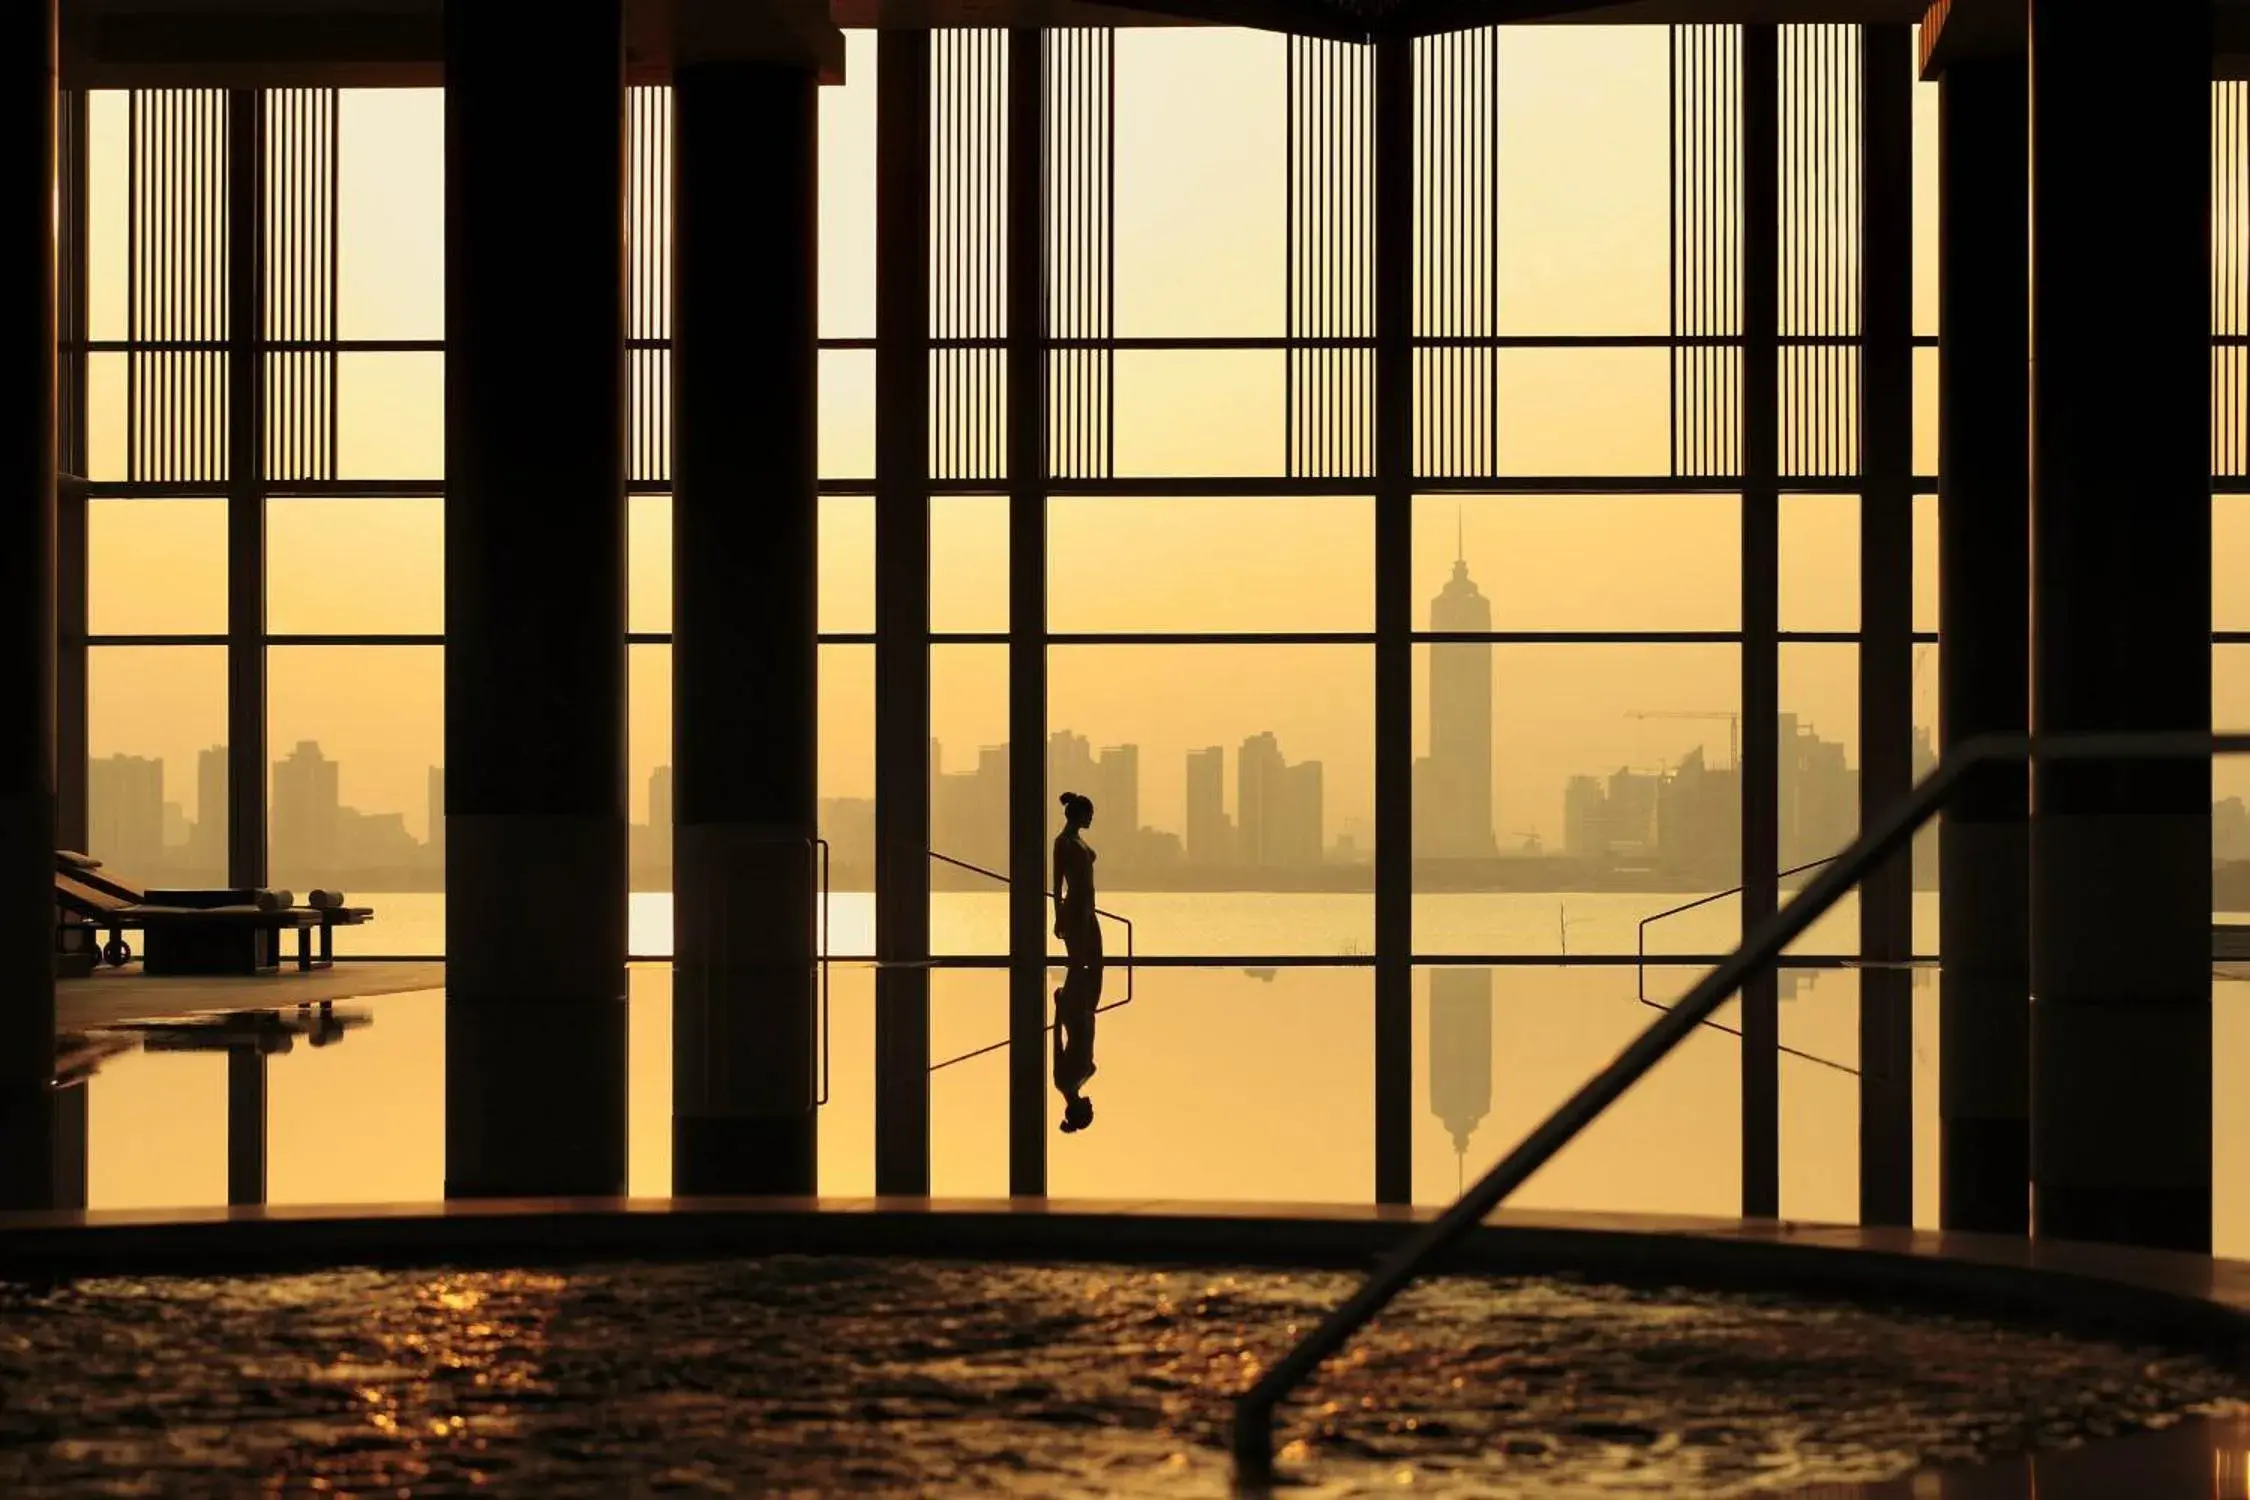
[1453, 800]
[1460, 1052]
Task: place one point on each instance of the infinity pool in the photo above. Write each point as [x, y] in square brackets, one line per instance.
[816, 1376]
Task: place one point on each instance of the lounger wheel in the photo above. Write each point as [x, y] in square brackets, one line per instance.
[117, 953]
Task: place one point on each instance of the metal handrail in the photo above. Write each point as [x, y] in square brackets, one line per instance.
[1125, 922]
[1640, 962]
[1253, 1411]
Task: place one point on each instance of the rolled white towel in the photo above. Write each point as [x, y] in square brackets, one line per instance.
[272, 900]
[325, 900]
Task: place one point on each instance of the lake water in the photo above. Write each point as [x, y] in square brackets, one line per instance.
[1216, 1082]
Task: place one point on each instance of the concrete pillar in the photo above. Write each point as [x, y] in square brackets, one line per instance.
[1761, 607]
[535, 600]
[745, 649]
[1394, 619]
[2121, 590]
[902, 613]
[27, 610]
[1984, 667]
[1886, 631]
[1030, 811]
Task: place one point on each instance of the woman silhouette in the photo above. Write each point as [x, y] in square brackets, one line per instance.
[1079, 927]
[1075, 922]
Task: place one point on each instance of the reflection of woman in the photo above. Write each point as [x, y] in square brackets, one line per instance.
[1079, 927]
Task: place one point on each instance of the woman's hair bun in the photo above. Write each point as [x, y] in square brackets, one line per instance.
[1067, 798]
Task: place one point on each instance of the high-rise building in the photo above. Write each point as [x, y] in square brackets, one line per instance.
[125, 811]
[969, 810]
[1585, 816]
[1302, 837]
[209, 846]
[1453, 783]
[1070, 767]
[1460, 1052]
[1210, 836]
[1117, 797]
[1258, 768]
[436, 813]
[305, 811]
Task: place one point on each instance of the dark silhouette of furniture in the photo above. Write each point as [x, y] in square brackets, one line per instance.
[199, 931]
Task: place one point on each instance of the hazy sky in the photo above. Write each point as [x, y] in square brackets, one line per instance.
[1200, 179]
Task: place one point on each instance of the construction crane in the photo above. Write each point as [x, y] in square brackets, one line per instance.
[1733, 718]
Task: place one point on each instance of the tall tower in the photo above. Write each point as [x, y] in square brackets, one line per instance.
[1453, 797]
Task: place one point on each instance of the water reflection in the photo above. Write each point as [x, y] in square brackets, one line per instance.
[1076, 1004]
[1215, 1083]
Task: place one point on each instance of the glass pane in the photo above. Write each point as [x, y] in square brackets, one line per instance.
[390, 214]
[1926, 564]
[1233, 789]
[847, 564]
[969, 563]
[390, 416]
[1564, 792]
[2230, 1126]
[969, 758]
[847, 414]
[156, 567]
[648, 797]
[355, 567]
[1211, 565]
[357, 735]
[2230, 775]
[108, 212]
[847, 790]
[105, 416]
[1577, 562]
[156, 1131]
[156, 732]
[1926, 424]
[1819, 773]
[1926, 208]
[1584, 412]
[2230, 562]
[1820, 1095]
[1585, 174]
[1199, 412]
[1820, 562]
[1673, 1144]
[648, 563]
[1201, 119]
[847, 195]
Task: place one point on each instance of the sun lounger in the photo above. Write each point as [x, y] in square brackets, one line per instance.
[200, 931]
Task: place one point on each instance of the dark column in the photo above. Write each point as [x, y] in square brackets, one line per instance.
[69, 1153]
[1030, 815]
[246, 1124]
[1761, 607]
[246, 495]
[71, 518]
[745, 646]
[1984, 664]
[1886, 628]
[1394, 619]
[902, 613]
[2121, 633]
[535, 600]
[27, 613]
